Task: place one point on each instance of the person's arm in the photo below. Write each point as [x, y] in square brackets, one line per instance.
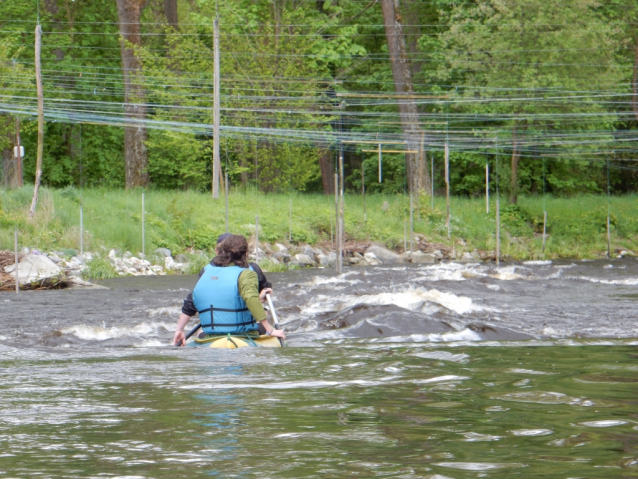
[247, 283]
[179, 330]
[261, 278]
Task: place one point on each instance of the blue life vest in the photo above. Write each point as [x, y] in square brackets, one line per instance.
[221, 308]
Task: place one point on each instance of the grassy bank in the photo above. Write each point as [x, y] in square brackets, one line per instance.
[186, 221]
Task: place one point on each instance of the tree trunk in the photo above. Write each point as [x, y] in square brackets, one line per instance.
[516, 154]
[327, 168]
[170, 10]
[135, 110]
[418, 178]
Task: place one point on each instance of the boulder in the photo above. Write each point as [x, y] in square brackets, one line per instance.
[54, 257]
[419, 257]
[384, 255]
[437, 254]
[34, 267]
[371, 258]
[162, 252]
[281, 248]
[469, 258]
[317, 251]
[180, 258]
[308, 251]
[323, 259]
[281, 256]
[304, 259]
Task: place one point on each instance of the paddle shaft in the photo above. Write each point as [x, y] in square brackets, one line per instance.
[274, 315]
[192, 331]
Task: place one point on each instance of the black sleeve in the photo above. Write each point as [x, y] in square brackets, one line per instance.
[188, 307]
[263, 282]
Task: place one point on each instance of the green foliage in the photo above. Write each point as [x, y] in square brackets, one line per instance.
[99, 268]
[196, 262]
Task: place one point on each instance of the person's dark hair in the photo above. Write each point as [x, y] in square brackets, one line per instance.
[232, 250]
[222, 237]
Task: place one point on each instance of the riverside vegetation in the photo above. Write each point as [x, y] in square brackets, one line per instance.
[189, 222]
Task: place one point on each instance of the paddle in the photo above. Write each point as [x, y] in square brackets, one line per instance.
[192, 331]
[274, 316]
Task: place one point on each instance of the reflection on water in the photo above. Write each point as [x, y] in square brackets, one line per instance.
[346, 408]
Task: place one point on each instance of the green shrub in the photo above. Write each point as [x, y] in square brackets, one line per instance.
[99, 268]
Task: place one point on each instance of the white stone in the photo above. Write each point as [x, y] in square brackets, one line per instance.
[384, 255]
[371, 258]
[304, 259]
[419, 257]
[34, 267]
[112, 254]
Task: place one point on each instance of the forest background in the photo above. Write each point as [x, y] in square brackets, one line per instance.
[545, 94]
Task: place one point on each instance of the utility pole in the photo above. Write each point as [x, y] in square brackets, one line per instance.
[216, 162]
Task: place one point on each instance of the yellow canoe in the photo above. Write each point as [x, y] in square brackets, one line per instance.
[235, 342]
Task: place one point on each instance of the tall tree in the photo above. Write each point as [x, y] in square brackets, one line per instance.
[527, 63]
[135, 109]
[418, 177]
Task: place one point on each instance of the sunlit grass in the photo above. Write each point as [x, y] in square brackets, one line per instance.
[187, 221]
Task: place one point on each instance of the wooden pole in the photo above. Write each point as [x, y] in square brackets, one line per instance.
[143, 232]
[40, 151]
[290, 223]
[608, 214]
[487, 187]
[447, 189]
[17, 262]
[338, 265]
[19, 155]
[216, 118]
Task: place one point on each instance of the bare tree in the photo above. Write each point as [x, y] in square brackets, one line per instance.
[135, 110]
[418, 177]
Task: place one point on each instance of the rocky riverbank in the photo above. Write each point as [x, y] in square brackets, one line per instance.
[62, 269]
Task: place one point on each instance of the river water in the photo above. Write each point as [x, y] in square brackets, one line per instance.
[442, 371]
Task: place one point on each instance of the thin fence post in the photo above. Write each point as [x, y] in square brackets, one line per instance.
[143, 238]
[432, 159]
[380, 166]
[257, 239]
[363, 190]
[608, 214]
[447, 189]
[226, 195]
[487, 187]
[411, 223]
[16, 260]
[290, 223]
[498, 215]
[337, 223]
[544, 230]
[405, 235]
[81, 231]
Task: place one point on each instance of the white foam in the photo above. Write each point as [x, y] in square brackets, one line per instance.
[165, 311]
[538, 262]
[98, 333]
[411, 299]
[626, 282]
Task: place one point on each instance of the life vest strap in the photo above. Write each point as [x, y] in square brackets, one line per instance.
[222, 309]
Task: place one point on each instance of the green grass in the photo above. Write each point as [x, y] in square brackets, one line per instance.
[99, 268]
[189, 222]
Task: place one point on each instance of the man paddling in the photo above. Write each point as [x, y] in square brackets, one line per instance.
[227, 295]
